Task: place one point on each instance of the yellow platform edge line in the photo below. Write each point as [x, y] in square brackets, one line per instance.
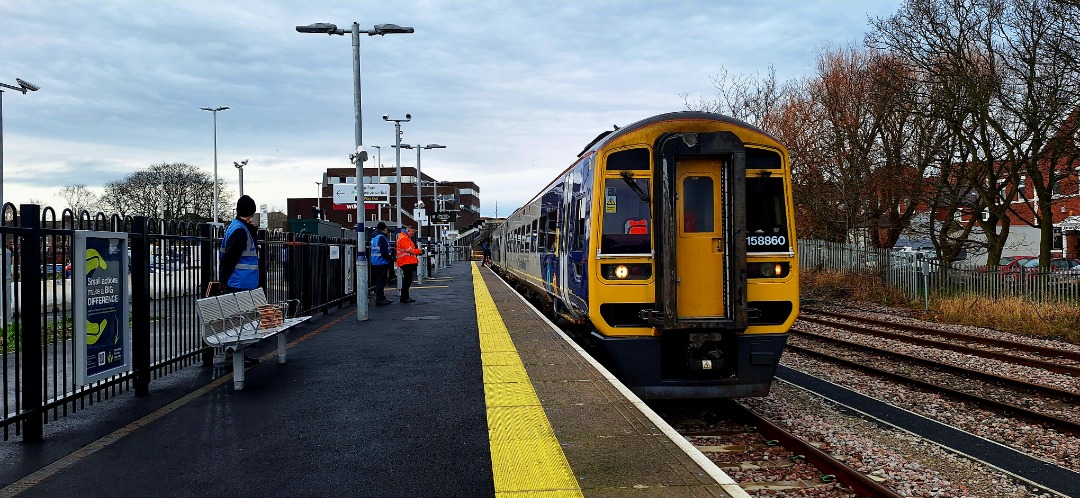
[532, 461]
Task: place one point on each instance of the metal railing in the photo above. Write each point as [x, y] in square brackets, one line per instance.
[171, 263]
[924, 278]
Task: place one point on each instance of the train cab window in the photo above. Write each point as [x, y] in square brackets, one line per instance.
[697, 204]
[632, 159]
[766, 214]
[762, 159]
[627, 222]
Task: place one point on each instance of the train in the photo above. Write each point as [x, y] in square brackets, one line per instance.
[669, 246]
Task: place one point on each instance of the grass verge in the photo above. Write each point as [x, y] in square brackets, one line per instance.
[1016, 315]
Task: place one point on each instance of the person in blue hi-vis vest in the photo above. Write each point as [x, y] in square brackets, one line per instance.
[380, 263]
[239, 268]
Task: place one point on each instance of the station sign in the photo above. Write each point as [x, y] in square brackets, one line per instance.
[374, 193]
[444, 216]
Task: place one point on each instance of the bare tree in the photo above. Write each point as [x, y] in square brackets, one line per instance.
[755, 99]
[1008, 69]
[168, 190]
[942, 41]
[79, 199]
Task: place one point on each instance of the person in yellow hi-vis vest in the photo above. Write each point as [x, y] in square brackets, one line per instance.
[407, 261]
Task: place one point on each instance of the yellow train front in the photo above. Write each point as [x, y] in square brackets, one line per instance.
[672, 238]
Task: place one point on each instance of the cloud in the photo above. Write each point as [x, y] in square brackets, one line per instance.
[513, 89]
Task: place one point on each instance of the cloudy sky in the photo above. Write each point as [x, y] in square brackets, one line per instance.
[513, 89]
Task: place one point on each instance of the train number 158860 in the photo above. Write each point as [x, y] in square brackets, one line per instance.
[766, 240]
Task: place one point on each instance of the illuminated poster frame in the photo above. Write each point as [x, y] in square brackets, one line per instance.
[350, 270]
[101, 308]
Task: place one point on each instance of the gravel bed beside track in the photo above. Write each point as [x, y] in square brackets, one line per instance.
[1032, 401]
[909, 464]
[1061, 449]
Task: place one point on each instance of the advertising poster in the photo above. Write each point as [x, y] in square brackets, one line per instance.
[350, 270]
[101, 308]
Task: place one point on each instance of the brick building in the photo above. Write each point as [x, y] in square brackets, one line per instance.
[460, 198]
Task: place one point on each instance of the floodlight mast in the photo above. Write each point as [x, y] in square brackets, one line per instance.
[24, 86]
[361, 154]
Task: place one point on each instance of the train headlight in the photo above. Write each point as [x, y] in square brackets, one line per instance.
[626, 271]
[768, 270]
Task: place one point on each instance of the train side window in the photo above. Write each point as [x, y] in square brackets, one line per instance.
[626, 217]
[697, 204]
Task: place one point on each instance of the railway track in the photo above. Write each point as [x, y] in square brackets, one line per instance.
[1016, 398]
[1053, 359]
[753, 450]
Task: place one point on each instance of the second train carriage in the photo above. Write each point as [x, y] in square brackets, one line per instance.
[673, 238]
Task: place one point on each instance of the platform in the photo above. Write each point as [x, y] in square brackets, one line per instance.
[466, 392]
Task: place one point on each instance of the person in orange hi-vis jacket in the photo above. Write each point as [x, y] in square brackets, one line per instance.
[407, 261]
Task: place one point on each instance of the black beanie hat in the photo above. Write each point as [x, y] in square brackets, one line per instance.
[245, 207]
[380, 226]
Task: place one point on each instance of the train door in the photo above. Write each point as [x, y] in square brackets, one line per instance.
[699, 241]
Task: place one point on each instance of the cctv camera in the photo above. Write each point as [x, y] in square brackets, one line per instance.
[244, 162]
[408, 116]
[27, 85]
[386, 117]
[361, 153]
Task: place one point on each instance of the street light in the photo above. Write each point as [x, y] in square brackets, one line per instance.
[23, 87]
[240, 166]
[361, 154]
[215, 111]
[397, 161]
[378, 173]
[419, 177]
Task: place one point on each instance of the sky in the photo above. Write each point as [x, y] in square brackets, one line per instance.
[513, 89]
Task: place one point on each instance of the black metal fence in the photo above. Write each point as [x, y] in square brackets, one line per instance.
[171, 263]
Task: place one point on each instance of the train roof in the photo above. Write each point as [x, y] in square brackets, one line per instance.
[610, 135]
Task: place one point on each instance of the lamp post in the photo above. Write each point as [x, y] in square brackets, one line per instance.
[240, 166]
[361, 154]
[215, 111]
[397, 162]
[23, 87]
[420, 177]
[378, 173]
[420, 182]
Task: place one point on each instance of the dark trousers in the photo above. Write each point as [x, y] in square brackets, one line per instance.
[379, 273]
[408, 273]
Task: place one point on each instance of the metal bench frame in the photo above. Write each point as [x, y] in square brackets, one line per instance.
[231, 321]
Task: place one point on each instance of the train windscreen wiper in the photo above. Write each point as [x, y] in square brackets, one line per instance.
[634, 186]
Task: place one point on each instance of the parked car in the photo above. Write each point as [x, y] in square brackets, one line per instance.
[1069, 277]
[50, 272]
[1030, 268]
[1015, 267]
[1003, 263]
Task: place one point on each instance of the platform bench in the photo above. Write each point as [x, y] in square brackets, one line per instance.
[234, 322]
